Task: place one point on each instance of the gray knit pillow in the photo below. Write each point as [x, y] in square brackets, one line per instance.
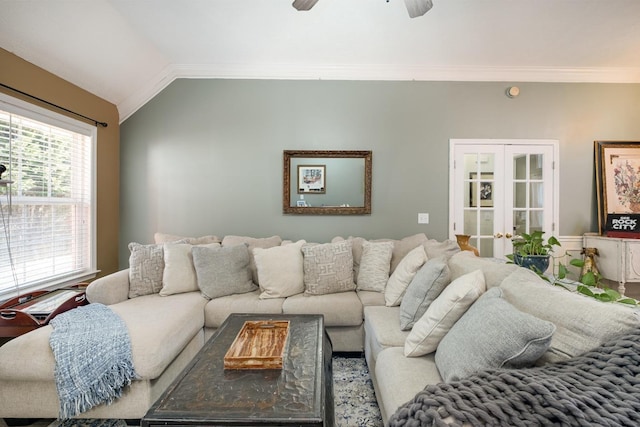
[328, 268]
[492, 334]
[425, 287]
[146, 265]
[375, 265]
[223, 271]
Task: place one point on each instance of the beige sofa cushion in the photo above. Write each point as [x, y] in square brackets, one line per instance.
[218, 309]
[494, 270]
[204, 240]
[371, 298]
[339, 309]
[382, 329]
[159, 328]
[582, 323]
[400, 378]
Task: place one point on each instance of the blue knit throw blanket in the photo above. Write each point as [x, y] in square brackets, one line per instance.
[93, 358]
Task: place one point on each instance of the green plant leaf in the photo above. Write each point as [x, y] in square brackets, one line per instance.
[562, 271]
[589, 279]
[577, 263]
[553, 241]
[629, 301]
[615, 295]
[586, 291]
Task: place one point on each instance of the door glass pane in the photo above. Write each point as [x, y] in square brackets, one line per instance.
[470, 222]
[486, 247]
[470, 164]
[519, 222]
[536, 195]
[520, 166]
[486, 222]
[535, 166]
[520, 195]
[536, 221]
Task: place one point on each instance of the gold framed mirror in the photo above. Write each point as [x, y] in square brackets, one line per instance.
[326, 182]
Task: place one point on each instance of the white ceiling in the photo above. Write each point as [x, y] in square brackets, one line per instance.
[126, 51]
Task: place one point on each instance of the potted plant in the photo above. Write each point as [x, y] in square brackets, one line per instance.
[532, 252]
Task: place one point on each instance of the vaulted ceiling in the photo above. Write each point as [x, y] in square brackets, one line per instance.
[126, 51]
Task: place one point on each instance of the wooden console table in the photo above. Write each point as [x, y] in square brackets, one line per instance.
[618, 259]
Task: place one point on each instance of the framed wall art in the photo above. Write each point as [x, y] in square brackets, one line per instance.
[312, 179]
[481, 190]
[617, 166]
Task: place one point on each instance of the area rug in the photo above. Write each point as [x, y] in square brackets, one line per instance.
[355, 400]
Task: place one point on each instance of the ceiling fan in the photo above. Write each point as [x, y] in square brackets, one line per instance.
[414, 7]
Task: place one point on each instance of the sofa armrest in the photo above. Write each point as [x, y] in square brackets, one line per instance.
[110, 289]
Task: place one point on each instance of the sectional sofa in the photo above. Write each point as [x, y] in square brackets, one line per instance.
[398, 300]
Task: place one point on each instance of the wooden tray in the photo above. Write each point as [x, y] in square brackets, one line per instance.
[260, 344]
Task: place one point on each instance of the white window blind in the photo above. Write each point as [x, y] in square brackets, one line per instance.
[47, 237]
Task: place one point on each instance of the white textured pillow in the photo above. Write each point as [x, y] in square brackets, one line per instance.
[443, 313]
[328, 268]
[403, 275]
[280, 270]
[374, 266]
[146, 265]
[179, 273]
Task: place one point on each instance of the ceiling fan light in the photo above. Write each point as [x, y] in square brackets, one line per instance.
[418, 7]
[304, 4]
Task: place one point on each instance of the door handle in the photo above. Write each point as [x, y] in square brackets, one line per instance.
[508, 235]
[498, 235]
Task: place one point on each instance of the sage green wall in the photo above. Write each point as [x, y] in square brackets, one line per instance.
[205, 156]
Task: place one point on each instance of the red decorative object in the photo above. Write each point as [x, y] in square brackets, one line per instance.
[33, 310]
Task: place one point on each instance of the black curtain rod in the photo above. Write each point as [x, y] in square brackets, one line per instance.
[97, 123]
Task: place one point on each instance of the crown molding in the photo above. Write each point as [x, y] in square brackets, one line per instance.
[372, 72]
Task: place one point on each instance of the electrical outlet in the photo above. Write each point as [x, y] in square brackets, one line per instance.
[423, 218]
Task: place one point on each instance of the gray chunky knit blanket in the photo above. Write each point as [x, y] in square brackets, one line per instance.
[93, 357]
[599, 388]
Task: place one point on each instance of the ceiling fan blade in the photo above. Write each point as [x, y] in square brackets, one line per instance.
[304, 4]
[418, 7]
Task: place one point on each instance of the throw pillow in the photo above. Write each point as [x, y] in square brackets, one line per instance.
[374, 266]
[280, 270]
[179, 275]
[425, 287]
[223, 271]
[583, 323]
[328, 268]
[252, 242]
[146, 265]
[492, 334]
[403, 275]
[443, 313]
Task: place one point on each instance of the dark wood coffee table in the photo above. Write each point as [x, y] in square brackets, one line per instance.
[301, 393]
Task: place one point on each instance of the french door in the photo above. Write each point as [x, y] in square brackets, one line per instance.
[500, 189]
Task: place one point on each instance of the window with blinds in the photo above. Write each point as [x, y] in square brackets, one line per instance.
[48, 236]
